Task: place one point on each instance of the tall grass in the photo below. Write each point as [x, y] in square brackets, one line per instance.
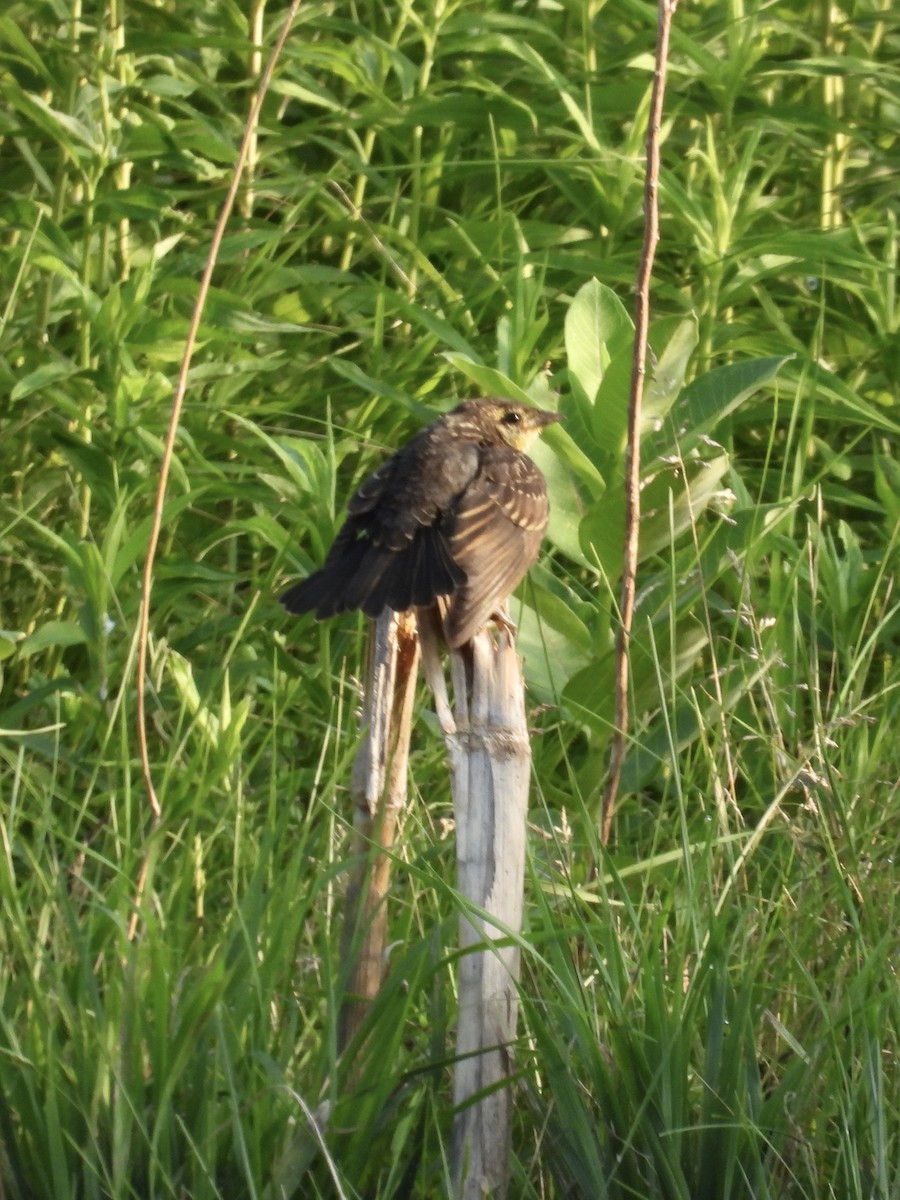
[433, 191]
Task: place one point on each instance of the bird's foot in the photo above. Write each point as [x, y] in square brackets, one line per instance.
[505, 623]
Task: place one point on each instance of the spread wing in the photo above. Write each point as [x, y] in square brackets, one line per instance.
[496, 534]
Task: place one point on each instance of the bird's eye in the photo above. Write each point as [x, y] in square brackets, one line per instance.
[511, 418]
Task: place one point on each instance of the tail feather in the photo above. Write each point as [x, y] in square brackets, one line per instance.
[326, 592]
[370, 577]
[314, 593]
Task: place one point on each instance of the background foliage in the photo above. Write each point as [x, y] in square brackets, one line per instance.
[432, 191]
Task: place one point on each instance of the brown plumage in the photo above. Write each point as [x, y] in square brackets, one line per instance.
[459, 512]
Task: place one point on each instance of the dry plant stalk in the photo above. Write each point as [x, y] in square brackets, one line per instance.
[143, 632]
[633, 448]
[378, 789]
[490, 762]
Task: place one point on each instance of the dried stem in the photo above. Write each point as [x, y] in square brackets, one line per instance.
[169, 449]
[378, 787]
[633, 450]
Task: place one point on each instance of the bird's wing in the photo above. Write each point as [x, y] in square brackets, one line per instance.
[496, 533]
[415, 486]
[393, 548]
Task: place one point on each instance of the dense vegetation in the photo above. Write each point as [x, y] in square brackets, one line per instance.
[432, 191]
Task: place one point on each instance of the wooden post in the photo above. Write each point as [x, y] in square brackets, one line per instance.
[490, 760]
[378, 789]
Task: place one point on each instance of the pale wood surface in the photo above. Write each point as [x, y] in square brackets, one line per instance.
[490, 758]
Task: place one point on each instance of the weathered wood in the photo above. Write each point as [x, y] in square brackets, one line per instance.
[378, 787]
[490, 760]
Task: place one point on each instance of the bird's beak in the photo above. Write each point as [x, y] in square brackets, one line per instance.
[548, 418]
[540, 420]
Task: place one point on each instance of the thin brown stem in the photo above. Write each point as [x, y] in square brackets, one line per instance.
[177, 403]
[633, 449]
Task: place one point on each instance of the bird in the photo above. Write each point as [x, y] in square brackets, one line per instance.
[455, 518]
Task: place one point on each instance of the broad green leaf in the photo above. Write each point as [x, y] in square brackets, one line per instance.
[469, 112]
[553, 639]
[601, 535]
[669, 508]
[314, 97]
[610, 424]
[712, 396]
[590, 692]
[137, 203]
[77, 137]
[597, 326]
[559, 607]
[668, 374]
[551, 655]
[567, 449]
[188, 570]
[168, 86]
[566, 504]
[134, 547]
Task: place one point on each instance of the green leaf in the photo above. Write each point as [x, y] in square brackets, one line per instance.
[9, 640]
[668, 375]
[491, 381]
[368, 383]
[12, 35]
[610, 418]
[75, 136]
[42, 377]
[138, 203]
[714, 395]
[168, 86]
[601, 535]
[887, 487]
[590, 692]
[597, 327]
[568, 451]
[669, 508]
[835, 399]
[51, 633]
[566, 503]
[551, 655]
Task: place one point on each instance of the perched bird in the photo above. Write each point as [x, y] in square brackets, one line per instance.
[459, 512]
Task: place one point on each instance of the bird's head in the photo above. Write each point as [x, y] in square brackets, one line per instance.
[507, 421]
